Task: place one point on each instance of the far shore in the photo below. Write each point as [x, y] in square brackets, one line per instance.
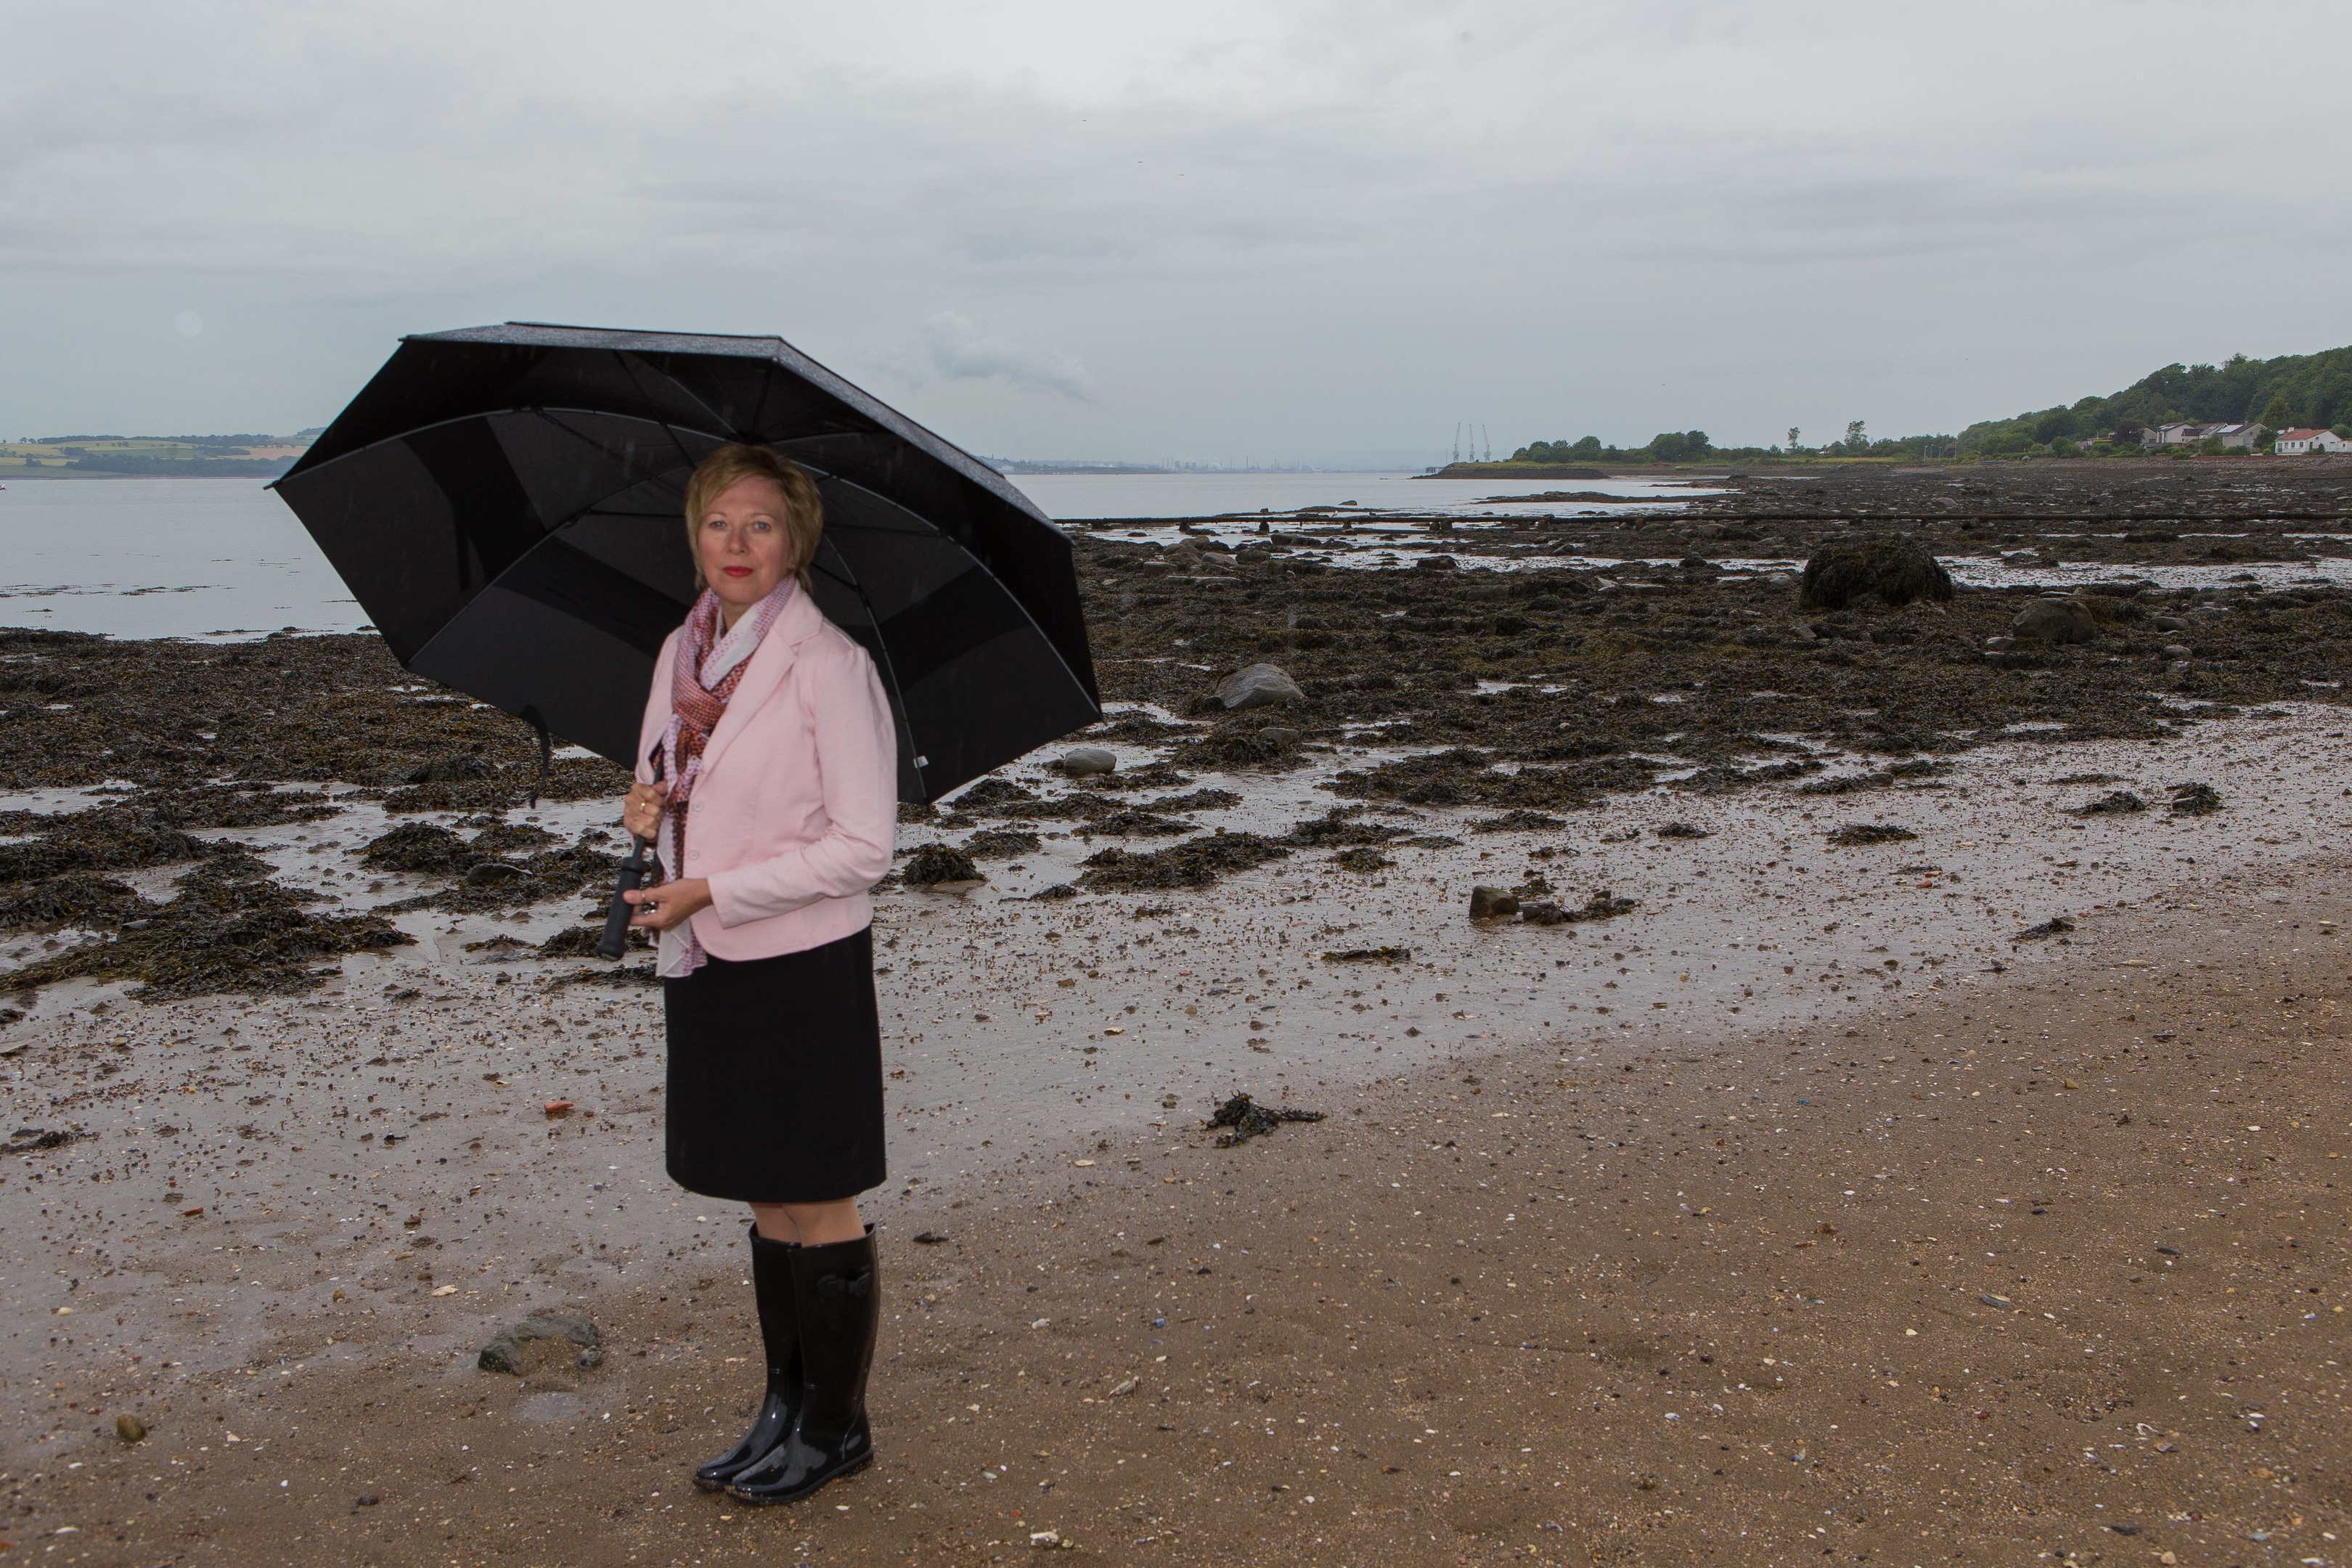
[1725, 466]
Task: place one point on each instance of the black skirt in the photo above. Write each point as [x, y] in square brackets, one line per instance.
[775, 1077]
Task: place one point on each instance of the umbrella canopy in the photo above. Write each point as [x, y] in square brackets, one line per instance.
[506, 503]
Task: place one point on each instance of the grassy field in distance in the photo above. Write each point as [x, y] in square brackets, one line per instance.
[151, 456]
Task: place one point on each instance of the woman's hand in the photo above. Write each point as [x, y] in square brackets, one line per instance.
[641, 813]
[671, 904]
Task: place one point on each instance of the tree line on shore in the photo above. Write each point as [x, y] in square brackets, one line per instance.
[2312, 390]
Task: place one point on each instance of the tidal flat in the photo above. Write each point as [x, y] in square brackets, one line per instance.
[295, 972]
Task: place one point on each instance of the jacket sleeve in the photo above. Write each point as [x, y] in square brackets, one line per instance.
[857, 768]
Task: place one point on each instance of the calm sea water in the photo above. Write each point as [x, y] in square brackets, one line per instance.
[163, 558]
[1090, 496]
[225, 558]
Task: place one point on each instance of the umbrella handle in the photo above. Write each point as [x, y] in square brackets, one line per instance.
[616, 918]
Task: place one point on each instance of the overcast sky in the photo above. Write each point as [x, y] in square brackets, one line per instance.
[1319, 231]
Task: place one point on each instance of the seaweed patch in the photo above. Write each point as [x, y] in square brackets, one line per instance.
[230, 929]
[1250, 1119]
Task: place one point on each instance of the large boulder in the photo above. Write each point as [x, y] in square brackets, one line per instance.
[2057, 621]
[1256, 686]
[1893, 570]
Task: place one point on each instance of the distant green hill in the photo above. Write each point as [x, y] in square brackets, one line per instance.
[151, 456]
[2294, 389]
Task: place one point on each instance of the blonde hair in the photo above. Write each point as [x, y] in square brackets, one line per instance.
[737, 461]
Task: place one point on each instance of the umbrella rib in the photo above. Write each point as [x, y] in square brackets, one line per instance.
[663, 425]
[631, 363]
[978, 566]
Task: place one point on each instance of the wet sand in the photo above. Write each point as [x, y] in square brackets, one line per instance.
[2048, 1263]
[361, 1116]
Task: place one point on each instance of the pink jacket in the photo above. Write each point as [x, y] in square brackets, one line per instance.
[795, 815]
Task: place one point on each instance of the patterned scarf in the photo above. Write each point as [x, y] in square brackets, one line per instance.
[708, 668]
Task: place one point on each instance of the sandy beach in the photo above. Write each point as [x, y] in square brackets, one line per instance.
[1960, 1190]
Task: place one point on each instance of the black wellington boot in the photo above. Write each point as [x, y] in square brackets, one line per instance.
[841, 1308]
[779, 1337]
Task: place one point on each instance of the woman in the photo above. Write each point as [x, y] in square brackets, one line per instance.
[769, 789]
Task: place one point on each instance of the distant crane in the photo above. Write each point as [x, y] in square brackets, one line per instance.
[1488, 445]
[1457, 441]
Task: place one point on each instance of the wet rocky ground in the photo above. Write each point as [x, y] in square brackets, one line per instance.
[1536, 663]
[284, 941]
[1576, 649]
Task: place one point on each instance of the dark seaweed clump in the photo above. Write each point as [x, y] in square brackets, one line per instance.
[1340, 826]
[1001, 843]
[182, 716]
[580, 940]
[106, 839]
[1854, 833]
[1151, 776]
[1249, 1119]
[991, 797]
[424, 847]
[1517, 821]
[1136, 727]
[1137, 824]
[1194, 863]
[1198, 862]
[2195, 800]
[1917, 768]
[496, 869]
[1195, 800]
[1462, 776]
[1273, 748]
[506, 784]
[935, 863]
[2114, 803]
[77, 899]
[230, 929]
[1600, 906]
[57, 876]
[1006, 801]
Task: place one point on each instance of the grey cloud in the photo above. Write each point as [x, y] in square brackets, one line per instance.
[1317, 226]
[958, 351]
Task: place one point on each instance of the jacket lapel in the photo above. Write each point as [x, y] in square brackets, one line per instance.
[657, 720]
[770, 662]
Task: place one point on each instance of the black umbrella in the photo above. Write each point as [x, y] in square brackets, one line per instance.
[507, 504]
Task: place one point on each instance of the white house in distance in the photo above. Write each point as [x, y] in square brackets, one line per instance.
[2189, 434]
[2303, 438]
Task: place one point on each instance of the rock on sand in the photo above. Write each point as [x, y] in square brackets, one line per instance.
[2057, 621]
[1256, 686]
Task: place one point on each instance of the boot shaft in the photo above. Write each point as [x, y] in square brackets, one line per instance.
[838, 1285]
[773, 1291]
